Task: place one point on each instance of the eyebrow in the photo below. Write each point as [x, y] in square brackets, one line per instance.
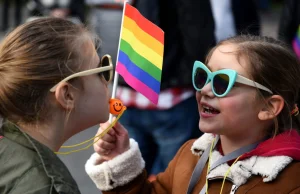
[216, 70]
[226, 68]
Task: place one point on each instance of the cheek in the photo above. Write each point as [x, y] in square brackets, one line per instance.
[198, 99]
[96, 94]
[97, 87]
[239, 108]
[101, 93]
[232, 105]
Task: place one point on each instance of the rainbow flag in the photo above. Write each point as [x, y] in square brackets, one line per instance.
[140, 54]
[296, 43]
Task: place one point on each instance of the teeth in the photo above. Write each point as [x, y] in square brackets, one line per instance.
[208, 109]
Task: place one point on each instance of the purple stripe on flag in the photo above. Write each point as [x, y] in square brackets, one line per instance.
[297, 41]
[137, 84]
[139, 73]
[296, 48]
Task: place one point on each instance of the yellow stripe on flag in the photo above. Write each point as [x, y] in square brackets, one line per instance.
[142, 49]
[143, 36]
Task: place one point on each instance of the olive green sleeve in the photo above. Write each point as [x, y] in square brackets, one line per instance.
[34, 181]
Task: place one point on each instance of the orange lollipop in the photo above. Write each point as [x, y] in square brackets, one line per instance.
[116, 106]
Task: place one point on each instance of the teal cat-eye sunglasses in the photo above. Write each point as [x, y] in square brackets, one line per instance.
[222, 80]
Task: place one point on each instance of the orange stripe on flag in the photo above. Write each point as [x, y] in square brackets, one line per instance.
[144, 24]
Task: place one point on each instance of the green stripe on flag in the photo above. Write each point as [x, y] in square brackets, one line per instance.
[140, 61]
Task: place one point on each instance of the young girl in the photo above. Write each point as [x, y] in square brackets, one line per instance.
[246, 94]
[53, 85]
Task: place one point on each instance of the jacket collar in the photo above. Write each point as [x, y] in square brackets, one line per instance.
[267, 167]
[53, 166]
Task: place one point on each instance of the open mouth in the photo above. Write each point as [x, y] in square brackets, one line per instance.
[209, 110]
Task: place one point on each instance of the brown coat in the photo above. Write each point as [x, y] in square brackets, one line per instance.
[277, 174]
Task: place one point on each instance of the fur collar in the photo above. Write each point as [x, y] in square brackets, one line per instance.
[267, 167]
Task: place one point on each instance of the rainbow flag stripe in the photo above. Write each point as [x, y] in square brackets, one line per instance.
[140, 54]
[296, 43]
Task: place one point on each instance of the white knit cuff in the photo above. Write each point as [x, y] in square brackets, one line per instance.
[118, 171]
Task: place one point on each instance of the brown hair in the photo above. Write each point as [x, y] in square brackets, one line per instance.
[272, 64]
[33, 58]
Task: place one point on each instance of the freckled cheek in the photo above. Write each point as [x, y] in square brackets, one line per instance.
[232, 111]
[232, 106]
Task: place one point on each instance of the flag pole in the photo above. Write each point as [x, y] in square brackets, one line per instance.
[116, 77]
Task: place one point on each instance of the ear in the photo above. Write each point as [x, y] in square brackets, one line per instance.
[65, 96]
[272, 108]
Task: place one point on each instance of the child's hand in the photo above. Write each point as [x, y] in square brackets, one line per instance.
[112, 144]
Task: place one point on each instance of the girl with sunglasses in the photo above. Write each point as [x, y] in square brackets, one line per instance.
[246, 93]
[52, 86]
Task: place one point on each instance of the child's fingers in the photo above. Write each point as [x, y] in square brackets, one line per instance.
[119, 129]
[113, 143]
[112, 132]
[105, 137]
[102, 128]
[101, 151]
[109, 138]
[116, 129]
[106, 145]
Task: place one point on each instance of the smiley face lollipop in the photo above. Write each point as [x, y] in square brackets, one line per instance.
[116, 106]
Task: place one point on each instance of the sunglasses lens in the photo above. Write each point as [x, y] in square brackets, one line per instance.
[200, 78]
[105, 62]
[220, 83]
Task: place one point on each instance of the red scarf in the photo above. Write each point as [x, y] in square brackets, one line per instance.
[284, 144]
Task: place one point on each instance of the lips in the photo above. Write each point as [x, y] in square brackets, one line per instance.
[210, 110]
[207, 110]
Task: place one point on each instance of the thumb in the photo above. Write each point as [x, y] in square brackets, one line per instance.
[120, 129]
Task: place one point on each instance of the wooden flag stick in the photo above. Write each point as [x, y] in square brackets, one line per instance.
[116, 77]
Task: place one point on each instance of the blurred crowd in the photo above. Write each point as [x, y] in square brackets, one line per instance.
[161, 131]
[108, 12]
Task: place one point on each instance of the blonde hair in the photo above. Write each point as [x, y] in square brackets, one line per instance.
[33, 58]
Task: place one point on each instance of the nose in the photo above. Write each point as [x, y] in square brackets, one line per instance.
[207, 90]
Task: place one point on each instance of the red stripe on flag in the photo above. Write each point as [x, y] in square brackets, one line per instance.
[137, 84]
[144, 23]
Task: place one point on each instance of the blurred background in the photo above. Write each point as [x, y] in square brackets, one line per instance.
[14, 12]
[95, 13]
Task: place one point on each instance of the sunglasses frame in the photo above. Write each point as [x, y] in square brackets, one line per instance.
[233, 77]
[89, 72]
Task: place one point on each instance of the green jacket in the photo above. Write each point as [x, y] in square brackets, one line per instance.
[29, 167]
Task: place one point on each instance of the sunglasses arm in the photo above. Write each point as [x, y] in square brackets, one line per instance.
[83, 73]
[246, 81]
